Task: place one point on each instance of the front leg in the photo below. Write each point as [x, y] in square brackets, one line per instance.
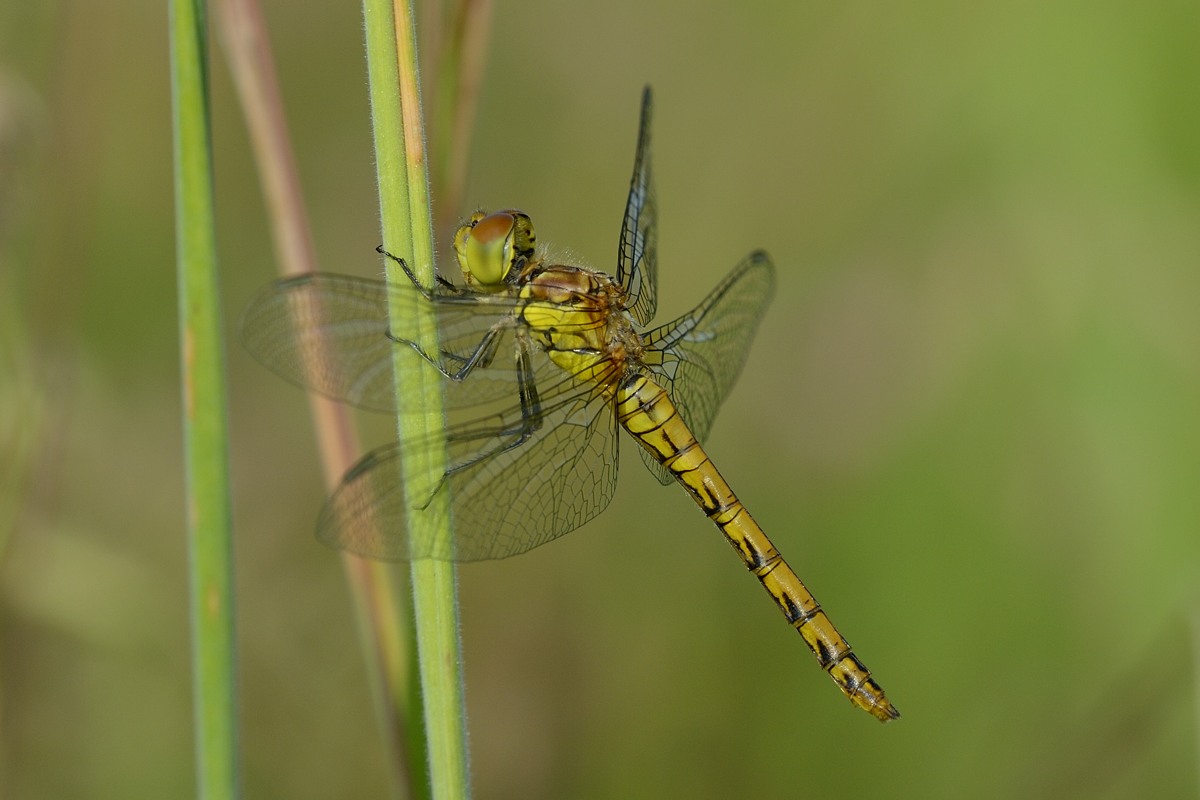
[424, 290]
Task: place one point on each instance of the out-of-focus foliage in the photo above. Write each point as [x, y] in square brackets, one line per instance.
[970, 420]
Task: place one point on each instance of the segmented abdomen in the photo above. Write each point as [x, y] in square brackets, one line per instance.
[645, 410]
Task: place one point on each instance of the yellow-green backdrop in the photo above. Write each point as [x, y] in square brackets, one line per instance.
[971, 419]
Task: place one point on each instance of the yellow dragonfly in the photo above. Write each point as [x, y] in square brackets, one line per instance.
[542, 362]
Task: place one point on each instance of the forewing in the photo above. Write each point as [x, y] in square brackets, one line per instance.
[698, 356]
[330, 333]
[637, 262]
[504, 499]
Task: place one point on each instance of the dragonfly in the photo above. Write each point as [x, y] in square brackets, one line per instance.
[541, 363]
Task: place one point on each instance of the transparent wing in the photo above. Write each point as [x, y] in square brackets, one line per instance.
[508, 493]
[329, 333]
[698, 356]
[637, 261]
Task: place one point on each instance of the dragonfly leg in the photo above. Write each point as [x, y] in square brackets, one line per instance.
[442, 282]
[511, 437]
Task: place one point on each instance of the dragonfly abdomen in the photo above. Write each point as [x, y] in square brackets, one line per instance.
[645, 410]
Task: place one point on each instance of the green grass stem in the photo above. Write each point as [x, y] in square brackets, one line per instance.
[407, 231]
[204, 413]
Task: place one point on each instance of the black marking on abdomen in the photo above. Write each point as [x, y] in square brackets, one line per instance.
[751, 555]
[793, 611]
[721, 509]
[852, 682]
[825, 656]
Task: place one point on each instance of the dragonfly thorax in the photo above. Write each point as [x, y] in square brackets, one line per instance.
[578, 317]
[493, 248]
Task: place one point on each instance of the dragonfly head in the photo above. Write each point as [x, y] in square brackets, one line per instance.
[492, 248]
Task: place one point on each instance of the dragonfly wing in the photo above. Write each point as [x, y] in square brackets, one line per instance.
[637, 261]
[504, 499]
[698, 356]
[330, 333]
[661, 473]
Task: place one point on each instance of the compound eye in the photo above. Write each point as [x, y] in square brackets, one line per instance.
[485, 248]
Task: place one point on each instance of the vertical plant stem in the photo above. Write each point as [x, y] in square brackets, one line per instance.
[378, 589]
[204, 422]
[407, 231]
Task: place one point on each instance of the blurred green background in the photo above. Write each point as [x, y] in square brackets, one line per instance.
[970, 418]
